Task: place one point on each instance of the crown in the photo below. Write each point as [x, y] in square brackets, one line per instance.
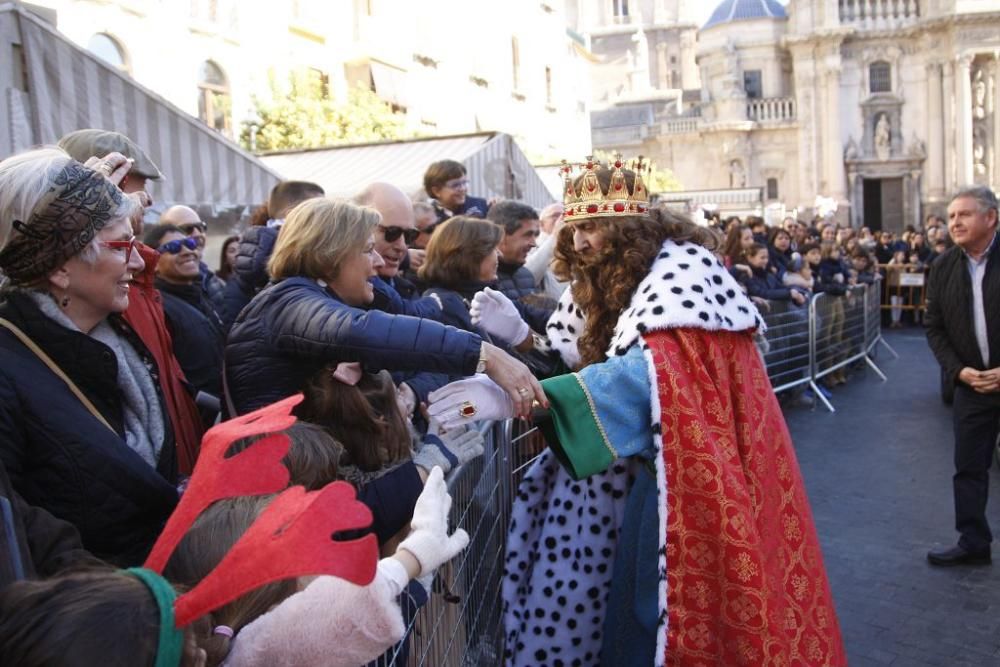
[590, 202]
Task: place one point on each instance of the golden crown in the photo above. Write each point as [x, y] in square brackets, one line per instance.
[591, 202]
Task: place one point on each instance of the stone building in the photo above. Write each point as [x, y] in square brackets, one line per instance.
[885, 106]
[450, 67]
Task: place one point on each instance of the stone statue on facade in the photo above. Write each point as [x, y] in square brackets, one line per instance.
[851, 150]
[883, 137]
[979, 94]
[737, 175]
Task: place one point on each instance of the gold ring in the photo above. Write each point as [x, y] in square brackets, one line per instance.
[466, 409]
[106, 168]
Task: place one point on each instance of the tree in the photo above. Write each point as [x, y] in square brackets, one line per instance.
[657, 179]
[301, 114]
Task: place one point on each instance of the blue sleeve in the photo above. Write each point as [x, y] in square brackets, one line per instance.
[619, 393]
[391, 499]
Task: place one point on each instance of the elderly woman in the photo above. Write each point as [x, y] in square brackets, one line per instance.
[83, 431]
[316, 315]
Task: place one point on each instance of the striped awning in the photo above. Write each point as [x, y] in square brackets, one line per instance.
[495, 164]
[64, 88]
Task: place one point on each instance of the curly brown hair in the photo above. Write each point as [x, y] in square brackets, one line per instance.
[603, 281]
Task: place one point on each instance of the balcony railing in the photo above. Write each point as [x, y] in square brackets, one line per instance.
[680, 125]
[879, 14]
[771, 109]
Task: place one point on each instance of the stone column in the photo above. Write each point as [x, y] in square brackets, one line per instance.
[916, 215]
[949, 148]
[963, 118]
[935, 134]
[834, 148]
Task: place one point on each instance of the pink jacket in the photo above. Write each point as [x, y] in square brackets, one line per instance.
[332, 623]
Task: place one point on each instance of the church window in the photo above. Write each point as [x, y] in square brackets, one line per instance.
[752, 84]
[879, 78]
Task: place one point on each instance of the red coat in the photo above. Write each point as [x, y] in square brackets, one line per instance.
[145, 315]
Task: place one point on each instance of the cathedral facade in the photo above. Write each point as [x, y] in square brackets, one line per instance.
[882, 106]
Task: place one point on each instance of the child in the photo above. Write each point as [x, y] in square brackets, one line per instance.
[863, 265]
[894, 270]
[764, 284]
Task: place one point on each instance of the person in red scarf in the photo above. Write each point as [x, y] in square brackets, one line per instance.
[667, 522]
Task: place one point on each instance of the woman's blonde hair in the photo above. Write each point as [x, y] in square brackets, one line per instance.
[318, 235]
[457, 248]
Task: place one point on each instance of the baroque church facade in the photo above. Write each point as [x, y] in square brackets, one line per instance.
[882, 106]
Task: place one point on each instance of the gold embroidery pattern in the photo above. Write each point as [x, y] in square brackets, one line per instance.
[746, 583]
[593, 413]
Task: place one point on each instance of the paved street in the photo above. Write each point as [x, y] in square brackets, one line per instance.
[878, 472]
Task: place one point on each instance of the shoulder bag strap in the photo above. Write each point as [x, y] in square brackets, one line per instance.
[30, 344]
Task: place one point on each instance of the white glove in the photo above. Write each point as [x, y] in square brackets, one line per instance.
[429, 541]
[448, 449]
[498, 316]
[472, 399]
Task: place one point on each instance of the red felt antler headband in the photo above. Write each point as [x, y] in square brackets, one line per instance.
[291, 538]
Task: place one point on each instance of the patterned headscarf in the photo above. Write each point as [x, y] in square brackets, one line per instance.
[78, 204]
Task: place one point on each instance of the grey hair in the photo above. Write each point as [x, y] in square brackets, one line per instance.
[24, 180]
[983, 195]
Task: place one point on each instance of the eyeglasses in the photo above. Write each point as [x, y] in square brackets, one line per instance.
[127, 246]
[189, 227]
[391, 234]
[457, 185]
[175, 246]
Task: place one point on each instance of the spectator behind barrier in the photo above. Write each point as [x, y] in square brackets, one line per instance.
[227, 257]
[256, 244]
[315, 316]
[764, 284]
[191, 224]
[738, 239]
[521, 227]
[195, 326]
[447, 184]
[83, 427]
[145, 312]
[779, 248]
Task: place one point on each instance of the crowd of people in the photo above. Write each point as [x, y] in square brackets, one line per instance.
[146, 424]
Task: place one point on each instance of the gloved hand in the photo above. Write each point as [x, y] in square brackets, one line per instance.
[449, 449]
[428, 540]
[498, 316]
[472, 399]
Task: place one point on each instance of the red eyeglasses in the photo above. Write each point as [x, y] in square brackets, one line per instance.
[127, 246]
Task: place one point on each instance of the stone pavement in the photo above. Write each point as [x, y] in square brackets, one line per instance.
[878, 473]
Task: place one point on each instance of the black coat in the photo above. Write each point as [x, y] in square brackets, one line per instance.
[249, 272]
[295, 327]
[59, 456]
[950, 329]
[196, 331]
[33, 543]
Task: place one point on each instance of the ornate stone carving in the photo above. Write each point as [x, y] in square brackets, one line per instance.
[883, 137]
[851, 150]
[737, 174]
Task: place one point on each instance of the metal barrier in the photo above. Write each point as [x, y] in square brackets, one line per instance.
[807, 344]
[461, 624]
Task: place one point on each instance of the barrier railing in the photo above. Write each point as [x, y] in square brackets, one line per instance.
[461, 624]
[805, 344]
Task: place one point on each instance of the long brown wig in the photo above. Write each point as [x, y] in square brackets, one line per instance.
[603, 281]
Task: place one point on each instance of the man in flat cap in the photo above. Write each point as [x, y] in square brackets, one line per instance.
[145, 309]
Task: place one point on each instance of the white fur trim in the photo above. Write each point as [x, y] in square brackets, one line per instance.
[660, 657]
[564, 328]
[687, 286]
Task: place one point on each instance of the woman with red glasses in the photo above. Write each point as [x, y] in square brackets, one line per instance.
[83, 428]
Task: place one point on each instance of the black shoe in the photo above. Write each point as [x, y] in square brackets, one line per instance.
[958, 555]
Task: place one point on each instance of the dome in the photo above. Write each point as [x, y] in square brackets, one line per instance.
[742, 10]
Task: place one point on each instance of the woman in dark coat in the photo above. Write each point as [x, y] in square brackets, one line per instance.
[315, 315]
[83, 428]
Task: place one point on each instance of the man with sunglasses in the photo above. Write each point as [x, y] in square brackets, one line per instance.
[195, 325]
[190, 223]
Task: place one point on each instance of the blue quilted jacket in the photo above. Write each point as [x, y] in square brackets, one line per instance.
[295, 327]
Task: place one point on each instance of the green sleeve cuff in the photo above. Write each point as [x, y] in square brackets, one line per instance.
[573, 432]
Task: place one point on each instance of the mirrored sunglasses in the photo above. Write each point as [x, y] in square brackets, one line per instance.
[175, 246]
[391, 234]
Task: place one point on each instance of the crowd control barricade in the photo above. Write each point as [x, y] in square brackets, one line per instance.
[461, 624]
[786, 351]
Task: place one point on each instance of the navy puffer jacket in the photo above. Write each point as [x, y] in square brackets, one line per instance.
[249, 272]
[295, 327]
